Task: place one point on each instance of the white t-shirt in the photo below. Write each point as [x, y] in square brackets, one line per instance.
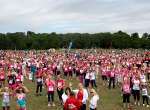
[136, 85]
[58, 67]
[85, 95]
[87, 76]
[144, 92]
[64, 98]
[143, 78]
[6, 97]
[93, 76]
[93, 101]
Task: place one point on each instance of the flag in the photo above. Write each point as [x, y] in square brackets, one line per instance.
[70, 45]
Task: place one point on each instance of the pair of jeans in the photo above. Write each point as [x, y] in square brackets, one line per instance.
[112, 80]
[50, 96]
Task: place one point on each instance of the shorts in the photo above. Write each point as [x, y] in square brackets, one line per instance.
[5, 104]
[22, 108]
[126, 98]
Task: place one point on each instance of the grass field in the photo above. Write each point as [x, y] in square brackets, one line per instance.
[109, 99]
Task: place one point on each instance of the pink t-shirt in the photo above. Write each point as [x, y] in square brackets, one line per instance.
[50, 86]
[126, 88]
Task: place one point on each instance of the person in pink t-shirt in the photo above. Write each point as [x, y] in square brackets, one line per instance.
[2, 77]
[104, 75]
[50, 85]
[70, 71]
[60, 87]
[111, 77]
[126, 90]
[65, 68]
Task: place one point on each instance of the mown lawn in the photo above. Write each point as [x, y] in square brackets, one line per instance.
[109, 99]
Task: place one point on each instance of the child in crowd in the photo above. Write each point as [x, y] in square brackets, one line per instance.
[6, 98]
[145, 96]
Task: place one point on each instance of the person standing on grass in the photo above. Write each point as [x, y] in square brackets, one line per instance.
[39, 82]
[93, 78]
[142, 77]
[24, 69]
[82, 96]
[50, 85]
[21, 97]
[2, 77]
[136, 90]
[148, 71]
[145, 96]
[6, 98]
[65, 69]
[87, 79]
[126, 90]
[70, 71]
[11, 78]
[94, 99]
[104, 75]
[81, 76]
[60, 83]
[33, 71]
[111, 77]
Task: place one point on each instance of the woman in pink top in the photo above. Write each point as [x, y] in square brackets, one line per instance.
[136, 89]
[2, 77]
[50, 84]
[148, 71]
[104, 75]
[126, 90]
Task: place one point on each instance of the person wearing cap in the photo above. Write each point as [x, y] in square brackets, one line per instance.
[94, 99]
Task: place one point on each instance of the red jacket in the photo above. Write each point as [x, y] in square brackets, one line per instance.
[72, 104]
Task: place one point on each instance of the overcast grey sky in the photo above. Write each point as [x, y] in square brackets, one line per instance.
[64, 16]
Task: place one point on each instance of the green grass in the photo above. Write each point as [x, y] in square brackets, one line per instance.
[109, 99]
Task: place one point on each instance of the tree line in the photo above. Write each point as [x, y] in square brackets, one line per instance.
[31, 40]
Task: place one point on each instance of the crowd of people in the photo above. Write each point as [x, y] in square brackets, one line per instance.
[127, 69]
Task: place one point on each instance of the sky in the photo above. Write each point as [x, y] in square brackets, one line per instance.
[68, 16]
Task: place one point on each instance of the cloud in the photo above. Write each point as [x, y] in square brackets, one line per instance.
[64, 16]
